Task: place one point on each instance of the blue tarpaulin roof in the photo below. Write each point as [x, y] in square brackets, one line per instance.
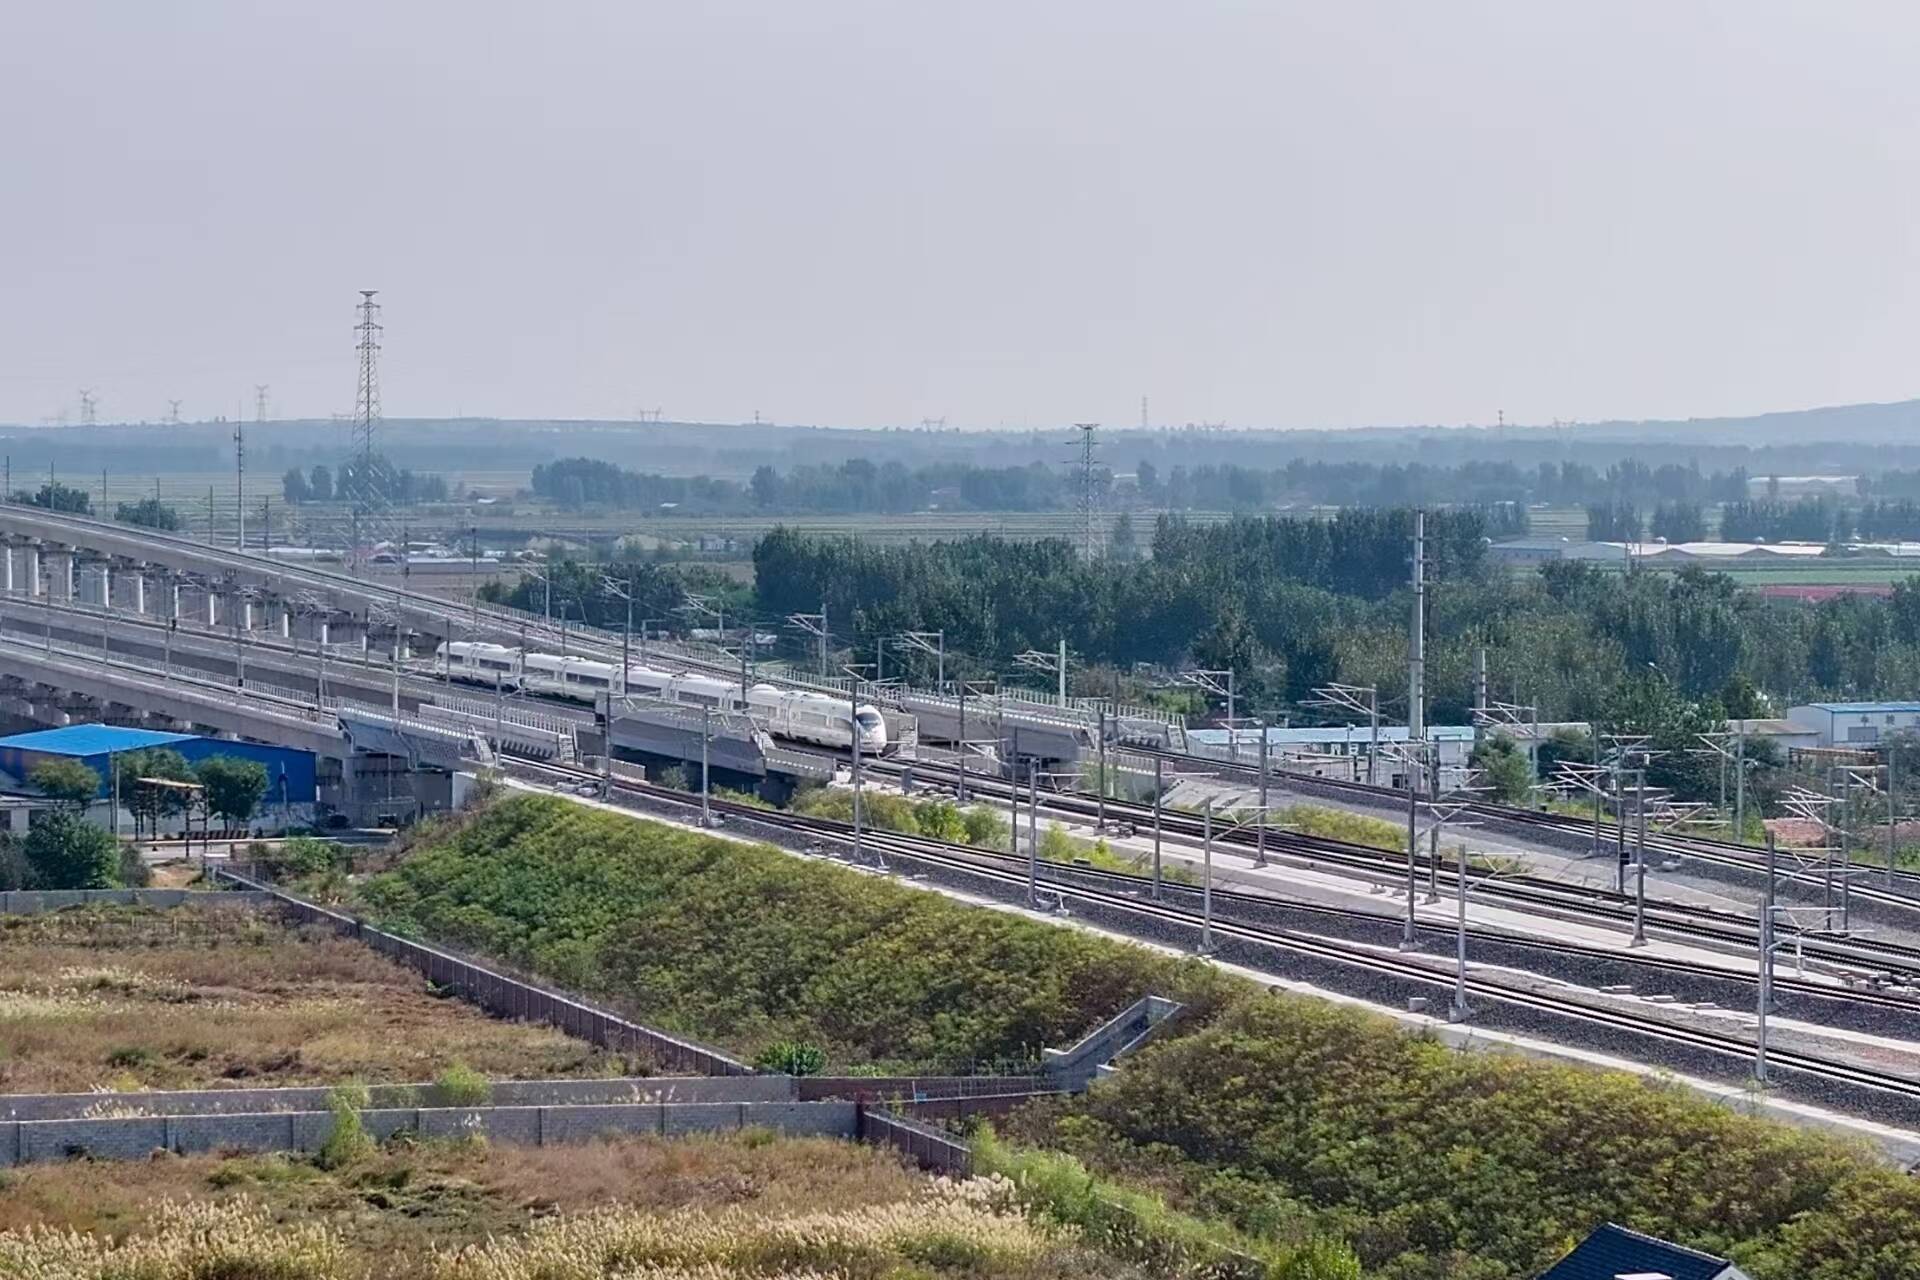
[91, 740]
[1613, 1251]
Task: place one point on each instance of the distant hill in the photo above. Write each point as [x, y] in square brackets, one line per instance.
[1843, 438]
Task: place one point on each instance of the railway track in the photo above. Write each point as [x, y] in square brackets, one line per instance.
[1903, 896]
[1124, 902]
[1685, 921]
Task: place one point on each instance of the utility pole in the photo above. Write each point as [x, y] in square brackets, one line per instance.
[1480, 695]
[1157, 786]
[1206, 878]
[858, 842]
[239, 484]
[1260, 836]
[1764, 1004]
[934, 645]
[706, 752]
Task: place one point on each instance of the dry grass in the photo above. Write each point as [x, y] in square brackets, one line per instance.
[388, 1215]
[140, 1000]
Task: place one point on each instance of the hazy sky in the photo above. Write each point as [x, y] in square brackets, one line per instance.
[870, 213]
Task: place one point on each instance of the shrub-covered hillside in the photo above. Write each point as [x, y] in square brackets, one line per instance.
[1283, 1117]
[744, 945]
[1299, 1118]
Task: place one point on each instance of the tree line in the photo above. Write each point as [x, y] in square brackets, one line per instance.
[355, 481]
[859, 485]
[1291, 604]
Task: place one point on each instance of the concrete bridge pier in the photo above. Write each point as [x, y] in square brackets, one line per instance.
[60, 573]
[33, 569]
[139, 589]
[6, 559]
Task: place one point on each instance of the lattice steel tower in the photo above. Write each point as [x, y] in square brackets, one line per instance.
[1088, 497]
[366, 403]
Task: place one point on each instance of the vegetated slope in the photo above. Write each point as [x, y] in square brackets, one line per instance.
[1291, 1117]
[744, 945]
[745, 1207]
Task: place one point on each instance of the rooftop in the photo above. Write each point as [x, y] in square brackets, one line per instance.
[1613, 1252]
[1867, 708]
[91, 740]
[1349, 733]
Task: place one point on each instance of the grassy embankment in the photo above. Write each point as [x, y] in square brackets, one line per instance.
[1278, 1117]
[121, 999]
[739, 1208]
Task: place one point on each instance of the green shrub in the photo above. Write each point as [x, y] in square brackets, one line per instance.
[461, 1086]
[348, 1142]
[792, 1058]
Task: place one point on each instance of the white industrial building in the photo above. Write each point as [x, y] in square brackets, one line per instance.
[1855, 724]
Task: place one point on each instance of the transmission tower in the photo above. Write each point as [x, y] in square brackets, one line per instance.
[89, 408]
[173, 413]
[259, 402]
[239, 483]
[1088, 501]
[366, 402]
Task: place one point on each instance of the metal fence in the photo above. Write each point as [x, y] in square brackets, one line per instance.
[505, 996]
[929, 1147]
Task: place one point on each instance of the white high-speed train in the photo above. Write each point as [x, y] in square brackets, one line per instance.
[804, 717]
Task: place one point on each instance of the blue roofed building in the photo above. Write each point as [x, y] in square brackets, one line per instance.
[291, 773]
[1615, 1253]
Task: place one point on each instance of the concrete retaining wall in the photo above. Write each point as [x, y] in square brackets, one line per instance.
[504, 1093]
[27, 1141]
[28, 902]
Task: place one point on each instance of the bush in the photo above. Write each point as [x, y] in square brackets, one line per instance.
[792, 1058]
[461, 1086]
[64, 852]
[296, 857]
[348, 1142]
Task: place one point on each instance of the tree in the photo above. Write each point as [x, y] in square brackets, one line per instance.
[1504, 767]
[146, 802]
[149, 513]
[1679, 522]
[1121, 544]
[55, 496]
[766, 487]
[234, 786]
[64, 852]
[69, 782]
[320, 483]
[294, 486]
[1613, 522]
